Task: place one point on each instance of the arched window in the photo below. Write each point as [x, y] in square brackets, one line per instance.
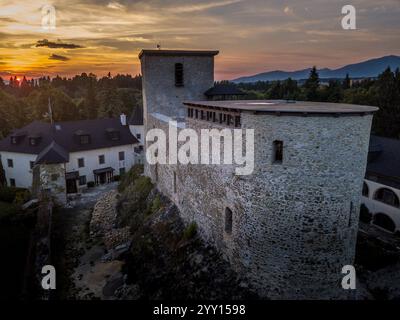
[385, 222]
[228, 220]
[387, 196]
[365, 190]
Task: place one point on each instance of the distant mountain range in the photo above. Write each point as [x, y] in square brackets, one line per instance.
[369, 68]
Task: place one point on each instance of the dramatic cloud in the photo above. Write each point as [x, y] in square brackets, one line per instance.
[58, 57]
[252, 35]
[59, 44]
[115, 5]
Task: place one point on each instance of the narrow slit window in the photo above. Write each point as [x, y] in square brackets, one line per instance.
[228, 220]
[278, 151]
[174, 182]
[179, 75]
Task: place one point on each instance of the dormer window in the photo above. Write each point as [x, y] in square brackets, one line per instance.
[16, 138]
[84, 139]
[178, 74]
[33, 141]
[113, 134]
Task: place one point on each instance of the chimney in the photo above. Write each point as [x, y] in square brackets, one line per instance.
[123, 119]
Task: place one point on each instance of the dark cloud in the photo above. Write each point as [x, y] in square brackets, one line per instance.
[58, 57]
[58, 44]
[8, 20]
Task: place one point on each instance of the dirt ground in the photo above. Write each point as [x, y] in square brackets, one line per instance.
[77, 257]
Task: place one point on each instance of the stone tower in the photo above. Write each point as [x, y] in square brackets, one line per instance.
[291, 225]
[173, 76]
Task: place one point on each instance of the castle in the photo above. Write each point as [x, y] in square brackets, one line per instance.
[291, 225]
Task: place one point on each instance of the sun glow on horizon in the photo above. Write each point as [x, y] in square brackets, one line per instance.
[253, 36]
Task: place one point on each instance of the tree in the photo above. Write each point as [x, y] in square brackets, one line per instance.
[311, 85]
[289, 89]
[346, 82]
[2, 84]
[90, 103]
[25, 88]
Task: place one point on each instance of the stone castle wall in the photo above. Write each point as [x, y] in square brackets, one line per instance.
[295, 223]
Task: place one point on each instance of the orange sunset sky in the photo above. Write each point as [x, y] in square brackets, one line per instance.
[253, 36]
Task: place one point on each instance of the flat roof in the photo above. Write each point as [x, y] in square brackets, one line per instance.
[283, 106]
[156, 52]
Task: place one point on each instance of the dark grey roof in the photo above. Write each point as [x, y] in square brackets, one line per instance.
[156, 52]
[53, 154]
[224, 90]
[64, 135]
[136, 118]
[384, 157]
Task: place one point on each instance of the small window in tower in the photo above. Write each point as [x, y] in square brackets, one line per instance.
[174, 182]
[278, 152]
[178, 74]
[228, 220]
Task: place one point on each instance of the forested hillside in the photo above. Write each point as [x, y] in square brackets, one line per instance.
[384, 92]
[85, 96]
[81, 97]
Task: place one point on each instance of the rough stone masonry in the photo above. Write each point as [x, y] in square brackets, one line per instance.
[290, 226]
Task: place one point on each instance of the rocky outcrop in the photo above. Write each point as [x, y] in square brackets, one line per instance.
[103, 222]
[168, 260]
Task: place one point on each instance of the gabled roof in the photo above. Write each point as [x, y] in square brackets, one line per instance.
[64, 135]
[224, 89]
[53, 154]
[136, 118]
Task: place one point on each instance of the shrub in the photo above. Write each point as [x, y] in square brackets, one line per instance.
[365, 215]
[155, 205]
[117, 178]
[129, 177]
[8, 194]
[7, 210]
[22, 196]
[133, 206]
[190, 231]
[90, 184]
